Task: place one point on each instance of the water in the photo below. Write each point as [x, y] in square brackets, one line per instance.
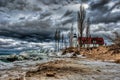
[9, 51]
[9, 45]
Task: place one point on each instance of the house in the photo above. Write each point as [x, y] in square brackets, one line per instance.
[91, 40]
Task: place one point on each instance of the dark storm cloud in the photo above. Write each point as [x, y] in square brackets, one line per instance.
[26, 29]
[102, 11]
[17, 25]
[3, 3]
[31, 19]
[98, 4]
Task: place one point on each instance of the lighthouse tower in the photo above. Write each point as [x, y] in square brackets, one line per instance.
[74, 41]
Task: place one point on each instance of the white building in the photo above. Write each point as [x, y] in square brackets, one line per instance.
[74, 41]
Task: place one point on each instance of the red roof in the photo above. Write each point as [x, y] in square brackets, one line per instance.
[92, 40]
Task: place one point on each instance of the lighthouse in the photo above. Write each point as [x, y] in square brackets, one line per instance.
[74, 41]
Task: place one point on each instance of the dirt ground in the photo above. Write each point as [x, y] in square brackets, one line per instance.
[59, 70]
[67, 69]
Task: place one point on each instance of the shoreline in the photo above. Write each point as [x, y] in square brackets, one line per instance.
[65, 69]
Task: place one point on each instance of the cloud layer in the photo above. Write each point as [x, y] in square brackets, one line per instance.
[38, 19]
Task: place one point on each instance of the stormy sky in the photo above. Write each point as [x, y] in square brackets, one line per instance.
[38, 19]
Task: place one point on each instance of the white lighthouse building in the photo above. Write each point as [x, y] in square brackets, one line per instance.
[74, 41]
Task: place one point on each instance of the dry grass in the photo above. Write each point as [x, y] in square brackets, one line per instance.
[117, 61]
[99, 53]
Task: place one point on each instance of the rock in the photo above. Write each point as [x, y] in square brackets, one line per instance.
[20, 58]
[50, 74]
[98, 70]
[12, 58]
[36, 58]
[23, 54]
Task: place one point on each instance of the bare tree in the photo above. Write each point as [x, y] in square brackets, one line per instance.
[55, 38]
[88, 28]
[59, 37]
[69, 39]
[81, 19]
[71, 36]
[62, 37]
[116, 40]
[65, 43]
[87, 31]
